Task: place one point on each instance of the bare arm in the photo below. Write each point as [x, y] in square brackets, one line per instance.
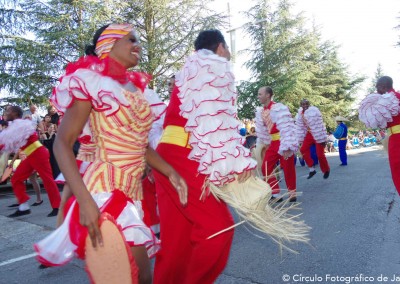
[71, 126]
[16, 155]
[158, 163]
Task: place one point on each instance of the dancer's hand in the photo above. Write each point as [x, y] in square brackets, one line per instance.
[180, 185]
[287, 153]
[89, 217]
[244, 176]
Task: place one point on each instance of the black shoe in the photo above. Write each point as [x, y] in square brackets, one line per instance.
[20, 213]
[293, 199]
[53, 213]
[275, 199]
[42, 266]
[343, 165]
[37, 203]
[311, 174]
[326, 175]
[13, 205]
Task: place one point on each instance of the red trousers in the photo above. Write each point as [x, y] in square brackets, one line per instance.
[320, 149]
[149, 205]
[186, 256]
[394, 159]
[289, 170]
[38, 160]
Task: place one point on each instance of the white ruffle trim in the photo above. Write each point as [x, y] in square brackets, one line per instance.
[208, 97]
[377, 110]
[301, 128]
[281, 116]
[313, 120]
[263, 135]
[158, 108]
[16, 134]
[103, 92]
[58, 249]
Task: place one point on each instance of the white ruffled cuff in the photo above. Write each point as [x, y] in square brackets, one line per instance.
[208, 102]
[377, 110]
[316, 124]
[263, 135]
[104, 93]
[282, 117]
[301, 128]
[16, 135]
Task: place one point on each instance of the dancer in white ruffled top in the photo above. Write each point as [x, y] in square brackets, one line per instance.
[310, 129]
[276, 132]
[382, 110]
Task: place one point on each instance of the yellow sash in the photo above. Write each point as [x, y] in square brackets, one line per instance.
[31, 148]
[175, 135]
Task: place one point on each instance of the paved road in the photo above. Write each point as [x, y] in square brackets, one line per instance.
[354, 214]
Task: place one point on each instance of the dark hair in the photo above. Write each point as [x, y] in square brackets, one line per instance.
[386, 81]
[269, 90]
[209, 39]
[90, 48]
[17, 110]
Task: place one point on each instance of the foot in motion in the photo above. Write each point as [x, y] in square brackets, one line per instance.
[275, 199]
[311, 174]
[53, 213]
[37, 203]
[20, 213]
[326, 174]
[13, 205]
[343, 165]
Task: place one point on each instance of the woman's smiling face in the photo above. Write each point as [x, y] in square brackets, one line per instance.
[127, 50]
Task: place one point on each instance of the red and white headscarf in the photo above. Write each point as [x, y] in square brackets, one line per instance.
[108, 37]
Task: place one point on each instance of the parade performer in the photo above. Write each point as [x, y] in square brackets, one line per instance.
[201, 141]
[311, 130]
[341, 134]
[275, 128]
[21, 135]
[382, 110]
[99, 91]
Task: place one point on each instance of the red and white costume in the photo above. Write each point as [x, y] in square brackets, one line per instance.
[275, 128]
[21, 134]
[119, 124]
[383, 111]
[201, 141]
[310, 129]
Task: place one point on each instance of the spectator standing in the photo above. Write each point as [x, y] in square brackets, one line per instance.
[341, 135]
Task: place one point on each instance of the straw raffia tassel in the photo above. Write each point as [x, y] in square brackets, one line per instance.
[251, 199]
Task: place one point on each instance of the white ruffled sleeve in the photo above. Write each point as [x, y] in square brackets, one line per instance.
[208, 98]
[16, 135]
[263, 136]
[158, 108]
[377, 110]
[281, 116]
[301, 128]
[317, 127]
[103, 92]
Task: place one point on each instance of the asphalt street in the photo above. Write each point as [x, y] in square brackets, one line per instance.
[354, 217]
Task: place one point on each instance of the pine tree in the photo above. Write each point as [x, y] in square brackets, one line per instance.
[378, 73]
[38, 38]
[296, 63]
